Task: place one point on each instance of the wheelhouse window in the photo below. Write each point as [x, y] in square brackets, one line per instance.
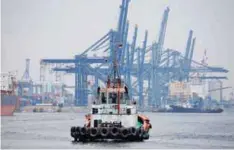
[113, 98]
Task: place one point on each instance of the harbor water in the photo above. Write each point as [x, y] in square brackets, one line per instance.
[169, 130]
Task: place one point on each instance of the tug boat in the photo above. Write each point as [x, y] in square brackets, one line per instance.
[113, 116]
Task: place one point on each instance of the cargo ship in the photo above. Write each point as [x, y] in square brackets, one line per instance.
[8, 103]
[189, 97]
[199, 105]
[9, 100]
[181, 109]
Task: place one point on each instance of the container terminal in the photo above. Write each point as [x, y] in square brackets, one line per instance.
[142, 93]
[159, 78]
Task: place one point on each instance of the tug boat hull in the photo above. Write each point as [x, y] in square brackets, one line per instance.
[84, 134]
[113, 130]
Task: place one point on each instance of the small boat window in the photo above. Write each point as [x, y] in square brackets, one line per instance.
[103, 98]
[122, 98]
[113, 98]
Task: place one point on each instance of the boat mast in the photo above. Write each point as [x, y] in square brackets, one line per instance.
[116, 78]
[117, 49]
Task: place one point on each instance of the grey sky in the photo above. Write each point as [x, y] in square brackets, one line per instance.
[38, 29]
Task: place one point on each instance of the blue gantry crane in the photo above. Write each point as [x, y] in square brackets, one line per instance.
[25, 85]
[143, 78]
[83, 64]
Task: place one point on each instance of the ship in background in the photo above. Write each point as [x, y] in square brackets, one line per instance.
[193, 97]
[189, 97]
[9, 98]
[192, 109]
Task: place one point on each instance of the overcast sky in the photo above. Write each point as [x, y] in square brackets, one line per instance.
[38, 29]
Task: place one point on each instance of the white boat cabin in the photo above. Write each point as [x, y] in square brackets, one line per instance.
[113, 105]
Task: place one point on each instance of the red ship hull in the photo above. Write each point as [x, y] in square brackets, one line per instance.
[9, 104]
[7, 110]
